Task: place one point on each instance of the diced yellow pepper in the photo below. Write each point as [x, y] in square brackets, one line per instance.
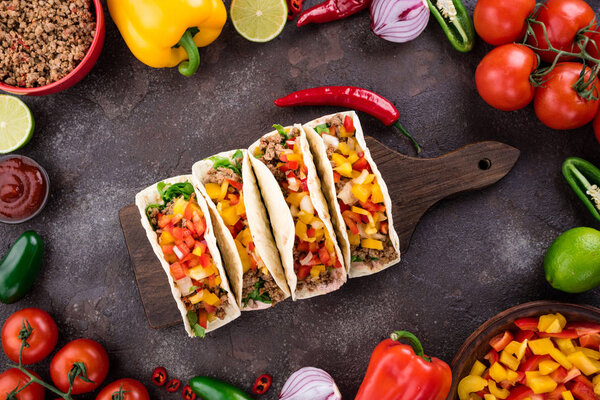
[179, 206]
[218, 281]
[294, 157]
[197, 251]
[166, 238]
[196, 298]
[510, 361]
[344, 169]
[496, 391]
[566, 346]
[541, 346]
[547, 367]
[317, 270]
[240, 207]
[593, 354]
[224, 187]
[344, 148]
[370, 178]
[364, 212]
[497, 372]
[344, 133]
[488, 396]
[306, 217]
[198, 273]
[539, 383]
[478, 368]
[567, 395]
[319, 234]
[329, 244]
[301, 230]
[597, 390]
[377, 194]
[229, 216]
[560, 358]
[213, 190]
[562, 320]
[295, 198]
[245, 237]
[339, 159]
[362, 192]
[244, 257]
[371, 244]
[353, 239]
[517, 349]
[585, 364]
[511, 375]
[596, 380]
[355, 174]
[353, 157]
[210, 298]
[371, 229]
[470, 384]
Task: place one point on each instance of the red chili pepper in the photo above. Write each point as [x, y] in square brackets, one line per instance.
[262, 384]
[352, 97]
[188, 393]
[173, 385]
[332, 10]
[294, 8]
[159, 376]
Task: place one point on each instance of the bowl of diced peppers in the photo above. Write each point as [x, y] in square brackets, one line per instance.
[535, 351]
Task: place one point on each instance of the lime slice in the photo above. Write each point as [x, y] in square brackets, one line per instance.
[259, 20]
[16, 124]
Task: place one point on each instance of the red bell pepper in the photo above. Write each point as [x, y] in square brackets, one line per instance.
[492, 357]
[349, 124]
[403, 372]
[590, 341]
[522, 335]
[564, 334]
[238, 185]
[584, 328]
[581, 391]
[527, 324]
[500, 341]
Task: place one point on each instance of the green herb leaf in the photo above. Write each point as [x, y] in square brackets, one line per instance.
[323, 128]
[194, 288]
[281, 131]
[219, 161]
[199, 331]
[192, 317]
[170, 191]
[256, 295]
[356, 259]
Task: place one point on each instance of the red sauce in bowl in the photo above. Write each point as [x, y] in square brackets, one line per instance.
[23, 189]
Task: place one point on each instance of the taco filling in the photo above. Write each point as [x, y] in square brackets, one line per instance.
[180, 225]
[223, 184]
[315, 259]
[359, 195]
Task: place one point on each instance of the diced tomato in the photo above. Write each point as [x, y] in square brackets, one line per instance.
[492, 357]
[384, 227]
[189, 241]
[372, 207]
[310, 232]
[527, 324]
[291, 142]
[302, 246]
[332, 130]
[500, 341]
[253, 264]
[556, 394]
[313, 247]
[177, 271]
[175, 219]
[251, 246]
[303, 272]
[590, 341]
[304, 185]
[349, 124]
[304, 169]
[177, 233]
[291, 174]
[200, 226]
[238, 227]
[364, 219]
[584, 328]
[583, 392]
[292, 165]
[167, 249]
[233, 199]
[201, 246]
[352, 215]
[183, 249]
[336, 177]
[203, 318]
[284, 167]
[582, 379]
[237, 185]
[210, 309]
[164, 220]
[520, 393]
[343, 206]
[324, 256]
[361, 164]
[283, 157]
[187, 214]
[194, 261]
[205, 260]
[531, 364]
[190, 227]
[564, 334]
[521, 336]
[338, 264]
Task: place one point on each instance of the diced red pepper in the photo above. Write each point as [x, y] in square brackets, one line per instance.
[175, 219]
[492, 357]
[527, 324]
[177, 234]
[304, 185]
[304, 169]
[284, 167]
[384, 227]
[500, 341]
[310, 232]
[349, 124]
[238, 227]
[183, 249]
[159, 376]
[177, 271]
[251, 246]
[583, 392]
[203, 318]
[313, 247]
[336, 177]
[351, 218]
[163, 221]
[292, 165]
[372, 207]
[291, 142]
[189, 241]
[194, 261]
[283, 157]
[564, 334]
[210, 309]
[581, 378]
[556, 394]
[364, 219]
[360, 154]
[338, 264]
[200, 226]
[324, 256]
[361, 164]
[520, 393]
[233, 199]
[238, 185]
[302, 246]
[343, 206]
[190, 226]
[584, 328]
[521, 336]
[262, 384]
[561, 375]
[591, 341]
[205, 260]
[332, 130]
[531, 364]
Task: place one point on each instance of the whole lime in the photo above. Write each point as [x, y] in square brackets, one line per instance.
[572, 262]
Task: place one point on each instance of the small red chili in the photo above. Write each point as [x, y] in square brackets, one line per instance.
[262, 384]
[173, 385]
[159, 377]
[188, 393]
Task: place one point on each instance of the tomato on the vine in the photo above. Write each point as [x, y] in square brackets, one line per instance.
[557, 103]
[502, 77]
[563, 20]
[88, 352]
[42, 340]
[13, 378]
[124, 389]
[502, 22]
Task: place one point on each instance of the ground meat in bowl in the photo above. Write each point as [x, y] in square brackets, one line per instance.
[41, 41]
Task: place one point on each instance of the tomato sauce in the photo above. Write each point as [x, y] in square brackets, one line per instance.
[23, 188]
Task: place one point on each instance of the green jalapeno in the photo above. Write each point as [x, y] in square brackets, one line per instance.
[584, 178]
[455, 21]
[213, 389]
[20, 266]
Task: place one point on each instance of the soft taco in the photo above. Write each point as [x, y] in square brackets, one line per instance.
[249, 252]
[177, 222]
[286, 174]
[356, 193]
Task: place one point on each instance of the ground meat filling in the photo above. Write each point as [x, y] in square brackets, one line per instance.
[221, 308]
[220, 174]
[41, 41]
[268, 287]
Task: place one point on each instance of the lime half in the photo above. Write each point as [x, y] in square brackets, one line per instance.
[259, 20]
[16, 124]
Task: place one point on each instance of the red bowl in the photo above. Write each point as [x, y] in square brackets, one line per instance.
[81, 70]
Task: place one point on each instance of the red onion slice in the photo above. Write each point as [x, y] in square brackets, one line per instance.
[310, 383]
[399, 20]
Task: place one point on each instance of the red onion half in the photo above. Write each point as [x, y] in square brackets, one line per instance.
[310, 383]
[399, 20]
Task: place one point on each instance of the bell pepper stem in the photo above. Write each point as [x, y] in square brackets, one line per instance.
[189, 67]
[413, 341]
[408, 135]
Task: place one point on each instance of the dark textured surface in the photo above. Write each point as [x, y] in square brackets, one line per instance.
[126, 126]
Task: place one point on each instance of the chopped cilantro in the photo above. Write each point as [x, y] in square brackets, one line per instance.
[356, 259]
[323, 128]
[193, 320]
[194, 288]
[256, 295]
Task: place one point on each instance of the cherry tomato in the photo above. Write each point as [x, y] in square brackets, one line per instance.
[502, 22]
[502, 77]
[563, 20]
[124, 389]
[188, 393]
[13, 378]
[173, 385]
[86, 351]
[597, 127]
[159, 376]
[558, 105]
[42, 340]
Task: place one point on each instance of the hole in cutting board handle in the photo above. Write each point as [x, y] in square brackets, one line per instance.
[485, 164]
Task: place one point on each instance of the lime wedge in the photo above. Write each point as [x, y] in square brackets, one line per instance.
[259, 20]
[16, 124]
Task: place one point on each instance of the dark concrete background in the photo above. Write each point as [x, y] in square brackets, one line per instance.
[126, 126]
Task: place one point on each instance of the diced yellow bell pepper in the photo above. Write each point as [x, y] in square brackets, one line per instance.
[300, 231]
[355, 174]
[547, 367]
[218, 281]
[470, 384]
[329, 244]
[371, 229]
[210, 298]
[498, 372]
[551, 323]
[478, 368]
[166, 238]
[510, 361]
[317, 270]
[224, 187]
[244, 257]
[371, 244]
[294, 157]
[295, 198]
[179, 206]
[339, 159]
[344, 169]
[562, 320]
[567, 395]
[198, 273]
[306, 217]
[539, 383]
[377, 194]
[344, 148]
[364, 212]
[517, 349]
[596, 380]
[240, 207]
[344, 133]
[593, 354]
[319, 234]
[353, 239]
[369, 179]
[541, 346]
[229, 216]
[560, 358]
[197, 251]
[362, 192]
[496, 391]
[244, 237]
[597, 390]
[353, 157]
[511, 375]
[488, 396]
[223, 204]
[566, 346]
[196, 298]
[585, 364]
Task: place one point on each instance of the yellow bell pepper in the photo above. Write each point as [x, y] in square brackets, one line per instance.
[344, 148]
[345, 169]
[593, 354]
[244, 257]
[470, 384]
[497, 372]
[179, 206]
[478, 368]
[566, 346]
[539, 383]
[317, 270]
[353, 239]
[541, 346]
[229, 215]
[488, 396]
[585, 364]
[362, 192]
[377, 194]
[517, 349]
[372, 244]
[166, 238]
[547, 367]
[198, 273]
[510, 361]
[567, 395]
[496, 391]
[561, 358]
[213, 190]
[153, 28]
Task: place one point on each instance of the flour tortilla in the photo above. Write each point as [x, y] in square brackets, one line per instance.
[319, 148]
[282, 221]
[259, 228]
[149, 196]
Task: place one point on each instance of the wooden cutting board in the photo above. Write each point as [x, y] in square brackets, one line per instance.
[415, 184]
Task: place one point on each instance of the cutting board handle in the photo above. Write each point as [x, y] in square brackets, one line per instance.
[416, 184]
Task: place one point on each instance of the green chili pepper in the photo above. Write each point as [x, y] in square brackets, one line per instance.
[20, 266]
[456, 23]
[584, 178]
[213, 389]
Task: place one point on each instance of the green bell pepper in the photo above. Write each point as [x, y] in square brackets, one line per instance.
[20, 266]
[208, 388]
[455, 22]
[584, 178]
